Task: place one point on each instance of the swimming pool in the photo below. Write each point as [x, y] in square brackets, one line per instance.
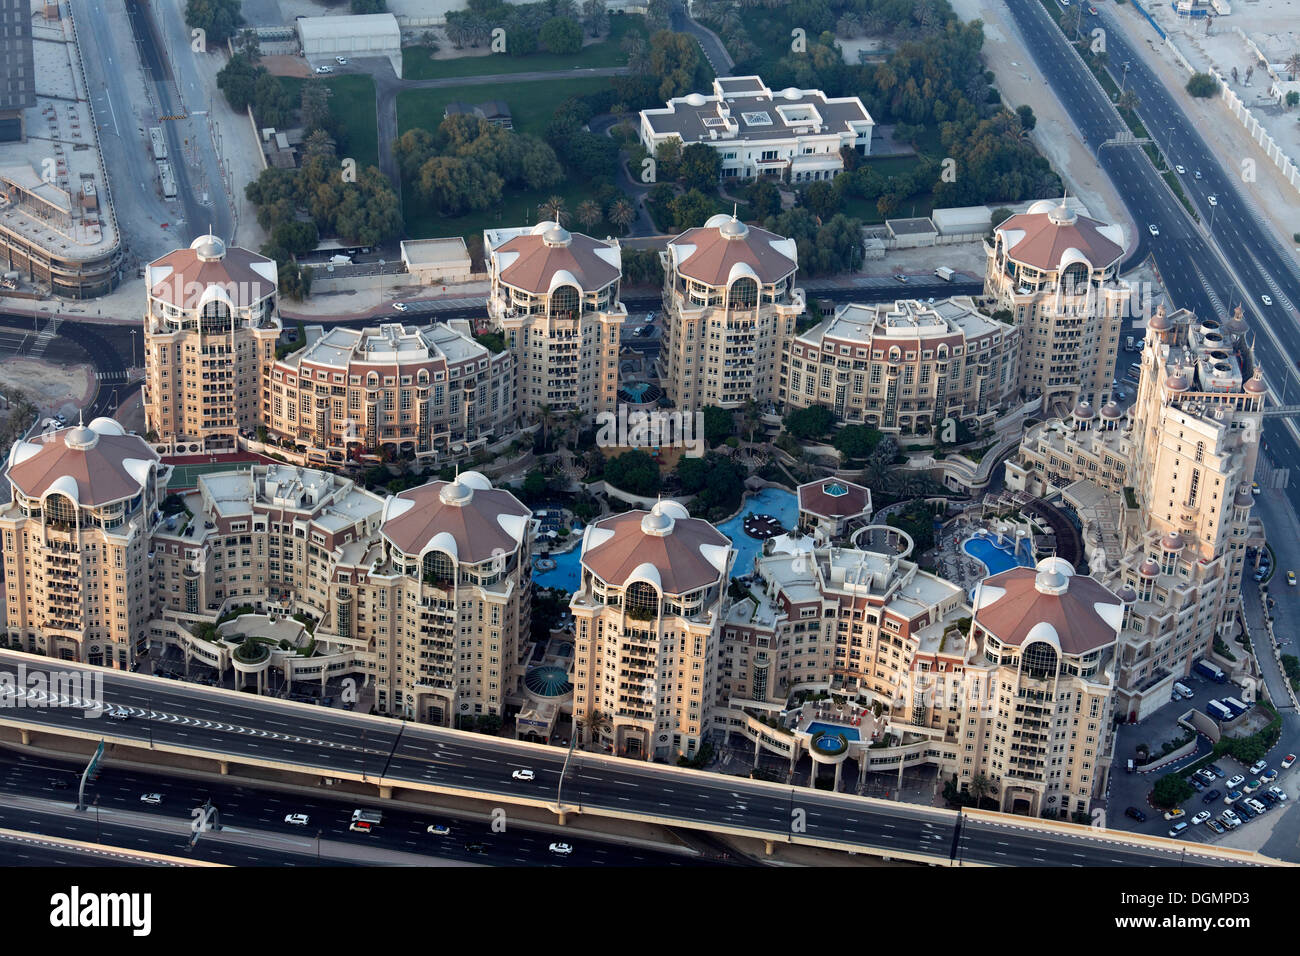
[997, 557]
[848, 733]
[778, 502]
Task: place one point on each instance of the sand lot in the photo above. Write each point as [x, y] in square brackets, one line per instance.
[50, 386]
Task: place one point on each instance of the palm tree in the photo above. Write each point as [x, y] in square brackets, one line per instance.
[576, 415]
[1293, 64]
[980, 787]
[1128, 100]
[848, 26]
[553, 209]
[622, 214]
[589, 213]
[595, 723]
[547, 418]
[751, 417]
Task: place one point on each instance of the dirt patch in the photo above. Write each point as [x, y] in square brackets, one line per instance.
[50, 386]
[285, 65]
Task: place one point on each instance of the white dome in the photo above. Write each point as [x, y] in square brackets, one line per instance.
[695, 99]
[81, 438]
[792, 93]
[209, 247]
[107, 426]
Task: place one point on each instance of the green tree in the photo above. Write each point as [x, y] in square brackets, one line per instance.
[634, 472]
[815, 421]
[856, 441]
[561, 35]
[1027, 118]
[218, 19]
[369, 6]
[1171, 790]
[1202, 85]
[675, 63]
[719, 424]
[316, 113]
[764, 198]
[668, 159]
[822, 197]
[691, 209]
[237, 80]
[1292, 99]
[589, 213]
[700, 168]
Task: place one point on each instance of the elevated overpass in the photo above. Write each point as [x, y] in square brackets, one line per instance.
[230, 731]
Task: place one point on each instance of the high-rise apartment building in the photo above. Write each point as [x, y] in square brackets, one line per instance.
[905, 366]
[646, 618]
[1057, 272]
[730, 308]
[1176, 471]
[555, 298]
[210, 330]
[76, 537]
[416, 391]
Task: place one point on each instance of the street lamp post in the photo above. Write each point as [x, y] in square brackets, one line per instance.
[148, 719]
[573, 741]
[133, 365]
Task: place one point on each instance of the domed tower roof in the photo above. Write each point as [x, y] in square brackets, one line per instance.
[1148, 569]
[1062, 215]
[1160, 321]
[1173, 541]
[1237, 324]
[1112, 411]
[1083, 411]
[1127, 594]
[1177, 383]
[1255, 384]
[209, 248]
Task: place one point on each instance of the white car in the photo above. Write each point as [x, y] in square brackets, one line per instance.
[1287, 761]
[1278, 792]
[400, 306]
[324, 69]
[1153, 229]
[523, 775]
[1201, 817]
[1235, 781]
[1212, 200]
[1266, 299]
[560, 849]
[1258, 767]
[439, 829]
[1230, 819]
[297, 819]
[118, 713]
[341, 60]
[153, 799]
[1181, 170]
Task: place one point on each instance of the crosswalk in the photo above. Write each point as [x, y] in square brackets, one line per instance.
[118, 376]
[45, 337]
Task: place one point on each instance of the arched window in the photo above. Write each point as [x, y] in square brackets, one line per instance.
[642, 600]
[372, 380]
[743, 294]
[61, 510]
[1039, 660]
[1075, 277]
[564, 302]
[439, 568]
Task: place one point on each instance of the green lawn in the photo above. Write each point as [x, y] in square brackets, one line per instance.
[416, 64]
[352, 101]
[531, 104]
[516, 209]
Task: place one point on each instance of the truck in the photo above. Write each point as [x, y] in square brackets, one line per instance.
[1236, 706]
[157, 142]
[373, 817]
[341, 260]
[944, 273]
[1218, 711]
[167, 177]
[1206, 669]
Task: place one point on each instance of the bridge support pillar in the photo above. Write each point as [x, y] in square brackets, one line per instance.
[223, 766]
[563, 815]
[385, 793]
[26, 737]
[769, 847]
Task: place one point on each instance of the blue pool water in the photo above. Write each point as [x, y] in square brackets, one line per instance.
[849, 733]
[636, 389]
[778, 502]
[997, 558]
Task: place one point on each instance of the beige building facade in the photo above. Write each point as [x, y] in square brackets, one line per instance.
[904, 367]
[555, 298]
[76, 538]
[730, 308]
[1056, 271]
[646, 628]
[210, 331]
[411, 391]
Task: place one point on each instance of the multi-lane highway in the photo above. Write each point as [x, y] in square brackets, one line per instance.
[1189, 265]
[318, 741]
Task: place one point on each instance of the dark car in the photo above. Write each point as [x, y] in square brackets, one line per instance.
[63, 784]
[1196, 784]
[1244, 811]
[1214, 769]
[1136, 814]
[475, 848]
[1211, 796]
[1267, 797]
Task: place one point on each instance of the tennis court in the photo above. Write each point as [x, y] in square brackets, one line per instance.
[187, 476]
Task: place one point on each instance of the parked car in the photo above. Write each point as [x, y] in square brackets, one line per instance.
[1244, 810]
[1268, 776]
[1236, 781]
[400, 306]
[1251, 786]
[1230, 819]
[1196, 783]
[1178, 828]
[1200, 817]
[324, 69]
[1216, 826]
[341, 60]
[900, 277]
[1287, 761]
[1257, 767]
[523, 775]
[1211, 796]
[1232, 797]
[1136, 814]
[1214, 769]
[153, 799]
[1205, 775]
[1176, 813]
[297, 819]
[1279, 793]
[1258, 806]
